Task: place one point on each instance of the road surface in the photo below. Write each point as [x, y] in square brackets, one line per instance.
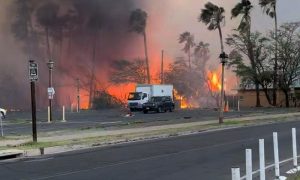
[204, 156]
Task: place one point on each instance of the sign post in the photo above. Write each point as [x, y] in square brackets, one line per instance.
[1, 118]
[33, 77]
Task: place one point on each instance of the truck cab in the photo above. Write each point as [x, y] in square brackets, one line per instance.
[136, 100]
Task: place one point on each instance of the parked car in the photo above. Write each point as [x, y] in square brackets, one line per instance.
[3, 112]
[159, 104]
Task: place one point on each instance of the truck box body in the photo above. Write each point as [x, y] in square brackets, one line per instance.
[162, 90]
[144, 92]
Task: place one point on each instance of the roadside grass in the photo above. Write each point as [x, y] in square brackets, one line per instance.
[18, 121]
[129, 137]
[294, 177]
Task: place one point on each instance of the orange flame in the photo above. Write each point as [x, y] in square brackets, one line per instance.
[213, 81]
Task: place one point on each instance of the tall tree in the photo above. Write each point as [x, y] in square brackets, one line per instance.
[269, 7]
[189, 41]
[213, 16]
[94, 23]
[251, 72]
[47, 17]
[138, 23]
[22, 25]
[243, 9]
[288, 57]
[201, 54]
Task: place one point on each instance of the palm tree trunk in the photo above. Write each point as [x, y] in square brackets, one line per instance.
[275, 87]
[221, 39]
[48, 43]
[146, 58]
[92, 80]
[221, 116]
[189, 54]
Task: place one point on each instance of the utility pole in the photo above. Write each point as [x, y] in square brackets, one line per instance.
[78, 95]
[162, 68]
[33, 76]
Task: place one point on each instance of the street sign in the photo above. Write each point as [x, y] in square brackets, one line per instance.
[51, 92]
[33, 71]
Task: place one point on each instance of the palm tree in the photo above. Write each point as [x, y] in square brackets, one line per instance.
[189, 41]
[213, 16]
[269, 6]
[243, 9]
[138, 23]
[95, 24]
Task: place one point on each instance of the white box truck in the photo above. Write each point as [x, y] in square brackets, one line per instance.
[144, 92]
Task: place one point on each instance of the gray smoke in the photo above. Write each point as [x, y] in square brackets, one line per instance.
[73, 26]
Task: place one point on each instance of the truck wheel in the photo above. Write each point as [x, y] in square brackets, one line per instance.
[159, 110]
[172, 109]
[145, 111]
[131, 109]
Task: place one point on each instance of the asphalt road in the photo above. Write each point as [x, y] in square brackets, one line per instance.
[19, 123]
[204, 156]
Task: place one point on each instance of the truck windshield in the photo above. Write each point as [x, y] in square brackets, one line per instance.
[135, 96]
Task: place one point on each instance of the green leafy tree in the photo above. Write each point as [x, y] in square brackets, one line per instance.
[269, 6]
[257, 71]
[138, 23]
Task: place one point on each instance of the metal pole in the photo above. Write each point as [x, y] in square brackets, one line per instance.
[248, 164]
[78, 96]
[276, 155]
[64, 115]
[49, 114]
[33, 110]
[1, 118]
[295, 163]
[50, 66]
[221, 116]
[262, 159]
[162, 67]
[50, 100]
[235, 172]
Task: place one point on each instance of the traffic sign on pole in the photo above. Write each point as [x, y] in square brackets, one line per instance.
[33, 71]
[51, 92]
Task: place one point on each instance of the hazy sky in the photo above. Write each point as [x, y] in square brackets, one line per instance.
[169, 18]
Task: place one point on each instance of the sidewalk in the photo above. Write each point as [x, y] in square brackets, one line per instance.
[66, 140]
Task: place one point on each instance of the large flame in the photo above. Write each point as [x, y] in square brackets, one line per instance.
[213, 81]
